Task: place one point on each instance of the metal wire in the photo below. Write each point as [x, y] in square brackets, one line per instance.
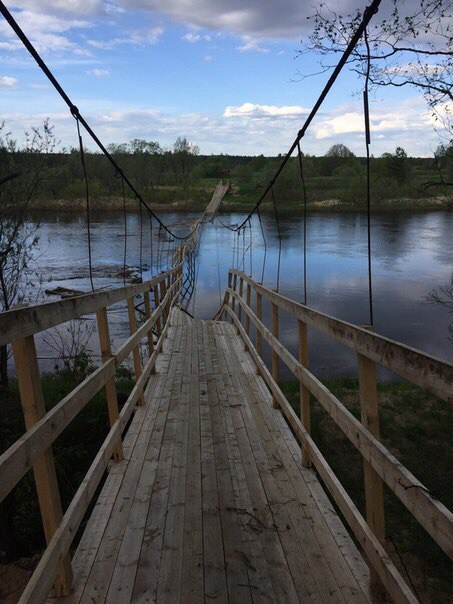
[87, 196]
[368, 176]
[277, 222]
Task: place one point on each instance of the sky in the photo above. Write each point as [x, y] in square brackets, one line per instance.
[223, 74]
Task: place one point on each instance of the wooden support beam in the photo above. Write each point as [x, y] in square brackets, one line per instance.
[259, 337]
[150, 333]
[32, 400]
[233, 303]
[156, 304]
[275, 357]
[110, 386]
[248, 294]
[304, 393]
[163, 291]
[136, 349]
[241, 290]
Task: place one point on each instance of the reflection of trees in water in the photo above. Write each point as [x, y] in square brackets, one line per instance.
[443, 295]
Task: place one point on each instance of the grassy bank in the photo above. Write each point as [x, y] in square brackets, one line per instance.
[416, 427]
[196, 200]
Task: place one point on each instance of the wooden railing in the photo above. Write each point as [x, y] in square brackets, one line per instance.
[34, 449]
[380, 466]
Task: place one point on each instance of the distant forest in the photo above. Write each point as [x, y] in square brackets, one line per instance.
[182, 174]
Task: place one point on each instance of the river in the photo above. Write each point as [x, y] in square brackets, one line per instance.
[412, 254]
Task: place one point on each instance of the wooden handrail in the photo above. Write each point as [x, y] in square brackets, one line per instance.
[432, 515]
[22, 322]
[19, 458]
[428, 372]
[386, 570]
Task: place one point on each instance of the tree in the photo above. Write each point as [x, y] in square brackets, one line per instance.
[183, 153]
[22, 171]
[411, 46]
[396, 165]
[339, 150]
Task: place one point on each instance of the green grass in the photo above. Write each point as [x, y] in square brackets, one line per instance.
[416, 427]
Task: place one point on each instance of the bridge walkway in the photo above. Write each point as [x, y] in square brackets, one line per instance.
[211, 502]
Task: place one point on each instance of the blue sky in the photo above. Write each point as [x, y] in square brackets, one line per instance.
[223, 74]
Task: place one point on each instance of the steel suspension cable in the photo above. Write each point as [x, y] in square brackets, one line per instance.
[75, 111]
[368, 174]
[367, 16]
[265, 245]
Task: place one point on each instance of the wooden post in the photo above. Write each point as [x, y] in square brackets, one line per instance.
[32, 400]
[163, 291]
[374, 490]
[241, 288]
[150, 332]
[156, 305]
[136, 349]
[110, 386]
[226, 298]
[259, 337]
[233, 301]
[248, 293]
[275, 359]
[304, 393]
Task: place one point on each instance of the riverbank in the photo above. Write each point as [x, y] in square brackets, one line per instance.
[198, 200]
[416, 428]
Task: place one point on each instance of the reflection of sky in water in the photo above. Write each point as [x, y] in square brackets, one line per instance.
[412, 254]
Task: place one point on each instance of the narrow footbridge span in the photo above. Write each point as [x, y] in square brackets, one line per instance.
[208, 486]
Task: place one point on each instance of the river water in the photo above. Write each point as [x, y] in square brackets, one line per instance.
[412, 254]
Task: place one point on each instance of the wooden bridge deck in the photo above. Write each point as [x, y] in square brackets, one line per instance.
[211, 502]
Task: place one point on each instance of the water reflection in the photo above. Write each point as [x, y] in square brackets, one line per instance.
[412, 254]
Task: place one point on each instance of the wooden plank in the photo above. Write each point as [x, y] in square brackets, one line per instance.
[22, 322]
[387, 571]
[33, 407]
[426, 371]
[110, 386]
[247, 301]
[430, 512]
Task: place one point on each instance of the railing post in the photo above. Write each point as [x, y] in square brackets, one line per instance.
[110, 386]
[156, 305]
[150, 332]
[259, 336]
[226, 298]
[32, 400]
[163, 291]
[248, 293]
[374, 491]
[304, 393]
[275, 358]
[241, 289]
[233, 300]
[136, 350]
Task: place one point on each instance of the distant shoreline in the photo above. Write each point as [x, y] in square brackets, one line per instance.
[115, 204]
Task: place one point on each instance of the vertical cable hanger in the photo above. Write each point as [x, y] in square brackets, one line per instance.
[141, 241]
[251, 247]
[75, 113]
[265, 245]
[125, 230]
[304, 192]
[368, 175]
[151, 254]
[277, 222]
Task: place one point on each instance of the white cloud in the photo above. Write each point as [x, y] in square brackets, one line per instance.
[208, 59]
[99, 73]
[192, 38]
[265, 111]
[141, 37]
[7, 82]
[75, 7]
[250, 44]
